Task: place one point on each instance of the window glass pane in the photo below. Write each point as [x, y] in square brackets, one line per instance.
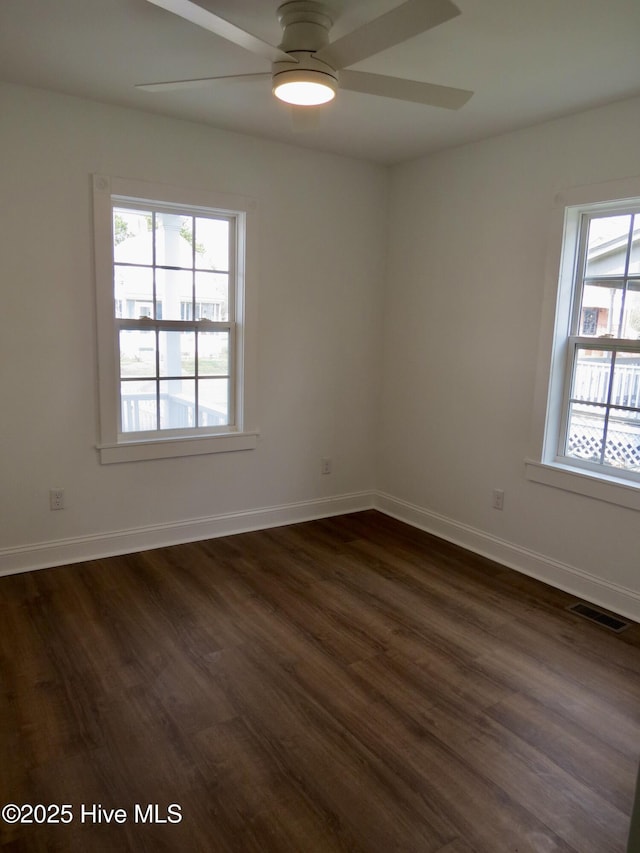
[600, 310]
[591, 376]
[173, 289]
[133, 292]
[212, 295]
[622, 448]
[585, 432]
[177, 403]
[631, 323]
[174, 240]
[138, 405]
[634, 262]
[607, 245]
[212, 243]
[626, 380]
[132, 243]
[177, 353]
[213, 353]
[137, 353]
[213, 399]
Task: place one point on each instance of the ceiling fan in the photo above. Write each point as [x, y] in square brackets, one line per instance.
[307, 68]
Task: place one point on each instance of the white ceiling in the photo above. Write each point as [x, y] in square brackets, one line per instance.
[526, 60]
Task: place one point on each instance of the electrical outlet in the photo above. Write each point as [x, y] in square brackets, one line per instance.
[325, 465]
[56, 499]
[498, 499]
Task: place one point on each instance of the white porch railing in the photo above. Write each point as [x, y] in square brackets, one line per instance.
[139, 413]
[591, 382]
[585, 437]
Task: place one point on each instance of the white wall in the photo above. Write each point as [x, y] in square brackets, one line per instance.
[469, 235]
[322, 233]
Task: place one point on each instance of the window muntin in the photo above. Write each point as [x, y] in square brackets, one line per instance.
[601, 423]
[174, 319]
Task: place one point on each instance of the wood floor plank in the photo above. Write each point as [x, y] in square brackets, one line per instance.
[256, 798]
[346, 684]
[581, 817]
[333, 767]
[456, 846]
[594, 712]
[605, 770]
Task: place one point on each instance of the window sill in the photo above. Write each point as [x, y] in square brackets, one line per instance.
[610, 489]
[139, 451]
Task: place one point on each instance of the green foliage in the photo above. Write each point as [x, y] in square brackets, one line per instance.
[121, 230]
[186, 231]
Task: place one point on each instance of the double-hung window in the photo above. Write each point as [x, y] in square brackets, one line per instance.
[601, 408]
[587, 411]
[171, 308]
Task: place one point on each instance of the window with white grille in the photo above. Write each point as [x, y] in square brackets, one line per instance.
[600, 427]
[171, 297]
[171, 267]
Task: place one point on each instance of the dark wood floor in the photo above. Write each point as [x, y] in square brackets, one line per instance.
[350, 684]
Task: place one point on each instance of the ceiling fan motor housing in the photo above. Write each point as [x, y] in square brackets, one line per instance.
[306, 26]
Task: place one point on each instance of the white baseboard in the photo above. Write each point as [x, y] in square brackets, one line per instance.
[575, 581]
[74, 550]
[583, 585]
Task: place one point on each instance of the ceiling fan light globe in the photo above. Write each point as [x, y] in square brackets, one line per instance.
[304, 88]
[304, 94]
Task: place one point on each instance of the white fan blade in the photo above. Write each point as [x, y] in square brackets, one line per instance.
[404, 90]
[407, 20]
[203, 18]
[200, 82]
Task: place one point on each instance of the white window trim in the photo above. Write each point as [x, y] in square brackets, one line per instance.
[542, 465]
[112, 447]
